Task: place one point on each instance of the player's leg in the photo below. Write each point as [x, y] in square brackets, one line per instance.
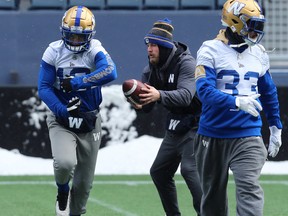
[188, 168]
[162, 172]
[63, 146]
[212, 167]
[87, 150]
[250, 156]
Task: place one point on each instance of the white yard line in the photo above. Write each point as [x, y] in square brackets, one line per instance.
[129, 183]
[27, 183]
[111, 207]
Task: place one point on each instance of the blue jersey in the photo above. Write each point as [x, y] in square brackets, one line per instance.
[91, 69]
[222, 74]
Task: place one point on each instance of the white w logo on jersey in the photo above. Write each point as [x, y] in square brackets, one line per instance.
[173, 124]
[75, 122]
[171, 78]
[236, 7]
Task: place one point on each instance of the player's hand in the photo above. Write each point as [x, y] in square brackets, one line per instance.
[65, 85]
[274, 141]
[135, 105]
[249, 104]
[73, 106]
[149, 95]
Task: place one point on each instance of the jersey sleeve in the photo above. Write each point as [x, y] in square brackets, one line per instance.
[269, 100]
[49, 56]
[105, 69]
[263, 58]
[46, 91]
[205, 55]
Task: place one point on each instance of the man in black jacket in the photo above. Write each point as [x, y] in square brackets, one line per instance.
[170, 82]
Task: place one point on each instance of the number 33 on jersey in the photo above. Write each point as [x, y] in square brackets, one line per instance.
[235, 73]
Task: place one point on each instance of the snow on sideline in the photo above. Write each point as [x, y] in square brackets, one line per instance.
[130, 158]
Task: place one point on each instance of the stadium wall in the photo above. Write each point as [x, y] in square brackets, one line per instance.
[26, 34]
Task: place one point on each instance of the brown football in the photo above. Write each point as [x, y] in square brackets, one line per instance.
[132, 88]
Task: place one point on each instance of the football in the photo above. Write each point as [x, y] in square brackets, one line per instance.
[131, 89]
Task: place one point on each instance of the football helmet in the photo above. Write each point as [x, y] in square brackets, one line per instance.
[78, 24]
[245, 18]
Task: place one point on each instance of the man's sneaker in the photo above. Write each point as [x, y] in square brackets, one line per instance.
[62, 204]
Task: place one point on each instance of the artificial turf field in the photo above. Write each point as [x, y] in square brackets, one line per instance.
[122, 196]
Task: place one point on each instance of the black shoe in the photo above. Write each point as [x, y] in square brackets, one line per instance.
[62, 204]
[62, 199]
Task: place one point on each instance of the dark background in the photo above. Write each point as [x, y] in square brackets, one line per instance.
[17, 132]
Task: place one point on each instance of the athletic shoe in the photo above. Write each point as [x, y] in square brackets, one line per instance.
[62, 204]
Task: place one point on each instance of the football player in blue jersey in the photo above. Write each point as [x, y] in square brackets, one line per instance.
[234, 83]
[72, 72]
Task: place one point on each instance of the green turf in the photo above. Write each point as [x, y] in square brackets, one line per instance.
[121, 196]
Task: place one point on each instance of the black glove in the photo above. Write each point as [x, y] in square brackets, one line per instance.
[66, 84]
[73, 107]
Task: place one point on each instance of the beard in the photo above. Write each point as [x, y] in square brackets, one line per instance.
[153, 60]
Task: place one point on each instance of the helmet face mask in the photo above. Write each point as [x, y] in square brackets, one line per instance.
[77, 28]
[76, 42]
[244, 18]
[254, 26]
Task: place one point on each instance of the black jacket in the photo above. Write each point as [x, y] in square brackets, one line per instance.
[175, 81]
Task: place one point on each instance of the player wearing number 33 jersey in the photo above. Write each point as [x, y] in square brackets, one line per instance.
[224, 74]
[234, 84]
